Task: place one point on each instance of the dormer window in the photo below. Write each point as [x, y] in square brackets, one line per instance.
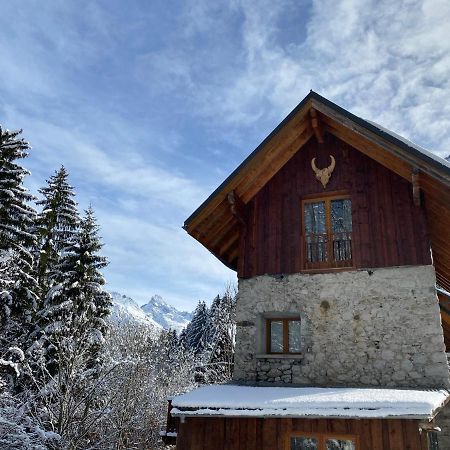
[327, 232]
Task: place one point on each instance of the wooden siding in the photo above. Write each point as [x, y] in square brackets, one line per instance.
[273, 434]
[388, 229]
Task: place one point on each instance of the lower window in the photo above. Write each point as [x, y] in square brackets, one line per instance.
[283, 335]
[323, 442]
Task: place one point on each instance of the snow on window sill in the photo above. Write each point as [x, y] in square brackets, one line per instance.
[279, 356]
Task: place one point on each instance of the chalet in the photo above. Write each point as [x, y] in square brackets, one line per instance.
[339, 231]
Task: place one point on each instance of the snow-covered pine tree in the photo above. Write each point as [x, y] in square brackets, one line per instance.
[71, 337]
[196, 330]
[219, 352]
[18, 285]
[75, 307]
[56, 224]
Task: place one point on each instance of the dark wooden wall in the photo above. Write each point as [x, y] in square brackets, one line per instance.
[388, 229]
[273, 434]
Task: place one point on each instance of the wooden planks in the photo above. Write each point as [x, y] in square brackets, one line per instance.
[388, 229]
[314, 117]
[274, 433]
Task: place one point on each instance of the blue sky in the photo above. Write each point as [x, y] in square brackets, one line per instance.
[151, 104]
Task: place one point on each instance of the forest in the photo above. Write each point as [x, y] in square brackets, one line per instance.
[70, 378]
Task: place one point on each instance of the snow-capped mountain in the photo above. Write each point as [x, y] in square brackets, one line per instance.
[156, 313]
[125, 310]
[166, 315]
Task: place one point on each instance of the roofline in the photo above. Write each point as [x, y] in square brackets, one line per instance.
[181, 413]
[250, 157]
[419, 152]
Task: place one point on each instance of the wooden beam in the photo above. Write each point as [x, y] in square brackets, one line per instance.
[234, 239]
[274, 144]
[416, 186]
[358, 130]
[316, 125]
[372, 151]
[256, 184]
[237, 207]
[229, 226]
[273, 161]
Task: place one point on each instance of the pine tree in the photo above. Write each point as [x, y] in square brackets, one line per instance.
[221, 339]
[76, 306]
[196, 331]
[57, 224]
[18, 286]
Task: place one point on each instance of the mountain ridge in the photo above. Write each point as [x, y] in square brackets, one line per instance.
[156, 313]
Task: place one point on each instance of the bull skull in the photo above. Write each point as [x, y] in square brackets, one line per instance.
[323, 175]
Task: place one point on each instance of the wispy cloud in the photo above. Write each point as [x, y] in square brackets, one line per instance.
[151, 106]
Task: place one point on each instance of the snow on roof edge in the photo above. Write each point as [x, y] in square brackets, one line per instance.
[257, 401]
[436, 158]
[303, 413]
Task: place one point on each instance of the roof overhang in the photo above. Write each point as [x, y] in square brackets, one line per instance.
[307, 402]
[217, 222]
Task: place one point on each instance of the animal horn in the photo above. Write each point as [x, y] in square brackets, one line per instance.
[313, 165]
[333, 164]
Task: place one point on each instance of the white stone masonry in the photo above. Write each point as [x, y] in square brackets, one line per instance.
[377, 327]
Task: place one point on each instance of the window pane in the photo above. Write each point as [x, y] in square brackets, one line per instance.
[341, 216]
[315, 218]
[339, 444]
[341, 220]
[303, 443]
[276, 336]
[294, 336]
[315, 232]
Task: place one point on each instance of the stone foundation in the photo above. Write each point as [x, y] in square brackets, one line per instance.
[378, 327]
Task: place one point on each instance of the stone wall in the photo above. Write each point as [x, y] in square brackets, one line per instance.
[378, 327]
[443, 422]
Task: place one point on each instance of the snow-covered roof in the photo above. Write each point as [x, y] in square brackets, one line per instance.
[250, 401]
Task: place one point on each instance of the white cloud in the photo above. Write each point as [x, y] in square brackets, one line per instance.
[229, 70]
[387, 61]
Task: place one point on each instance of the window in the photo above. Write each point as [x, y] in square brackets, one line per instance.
[327, 227]
[323, 442]
[283, 335]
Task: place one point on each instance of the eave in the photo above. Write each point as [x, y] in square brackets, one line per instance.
[215, 226]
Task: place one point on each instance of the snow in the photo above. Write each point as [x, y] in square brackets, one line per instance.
[156, 313]
[442, 161]
[168, 433]
[249, 401]
[13, 365]
[18, 352]
[125, 310]
[167, 316]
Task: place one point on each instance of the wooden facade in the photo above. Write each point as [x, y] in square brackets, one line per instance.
[388, 228]
[255, 224]
[218, 226]
[274, 434]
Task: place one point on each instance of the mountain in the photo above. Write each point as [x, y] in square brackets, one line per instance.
[166, 315]
[125, 310]
[156, 313]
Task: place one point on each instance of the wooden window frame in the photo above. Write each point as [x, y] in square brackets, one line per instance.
[324, 266]
[285, 321]
[322, 438]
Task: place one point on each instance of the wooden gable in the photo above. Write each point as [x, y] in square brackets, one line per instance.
[219, 223]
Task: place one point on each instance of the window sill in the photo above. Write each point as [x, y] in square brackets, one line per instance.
[328, 270]
[279, 356]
